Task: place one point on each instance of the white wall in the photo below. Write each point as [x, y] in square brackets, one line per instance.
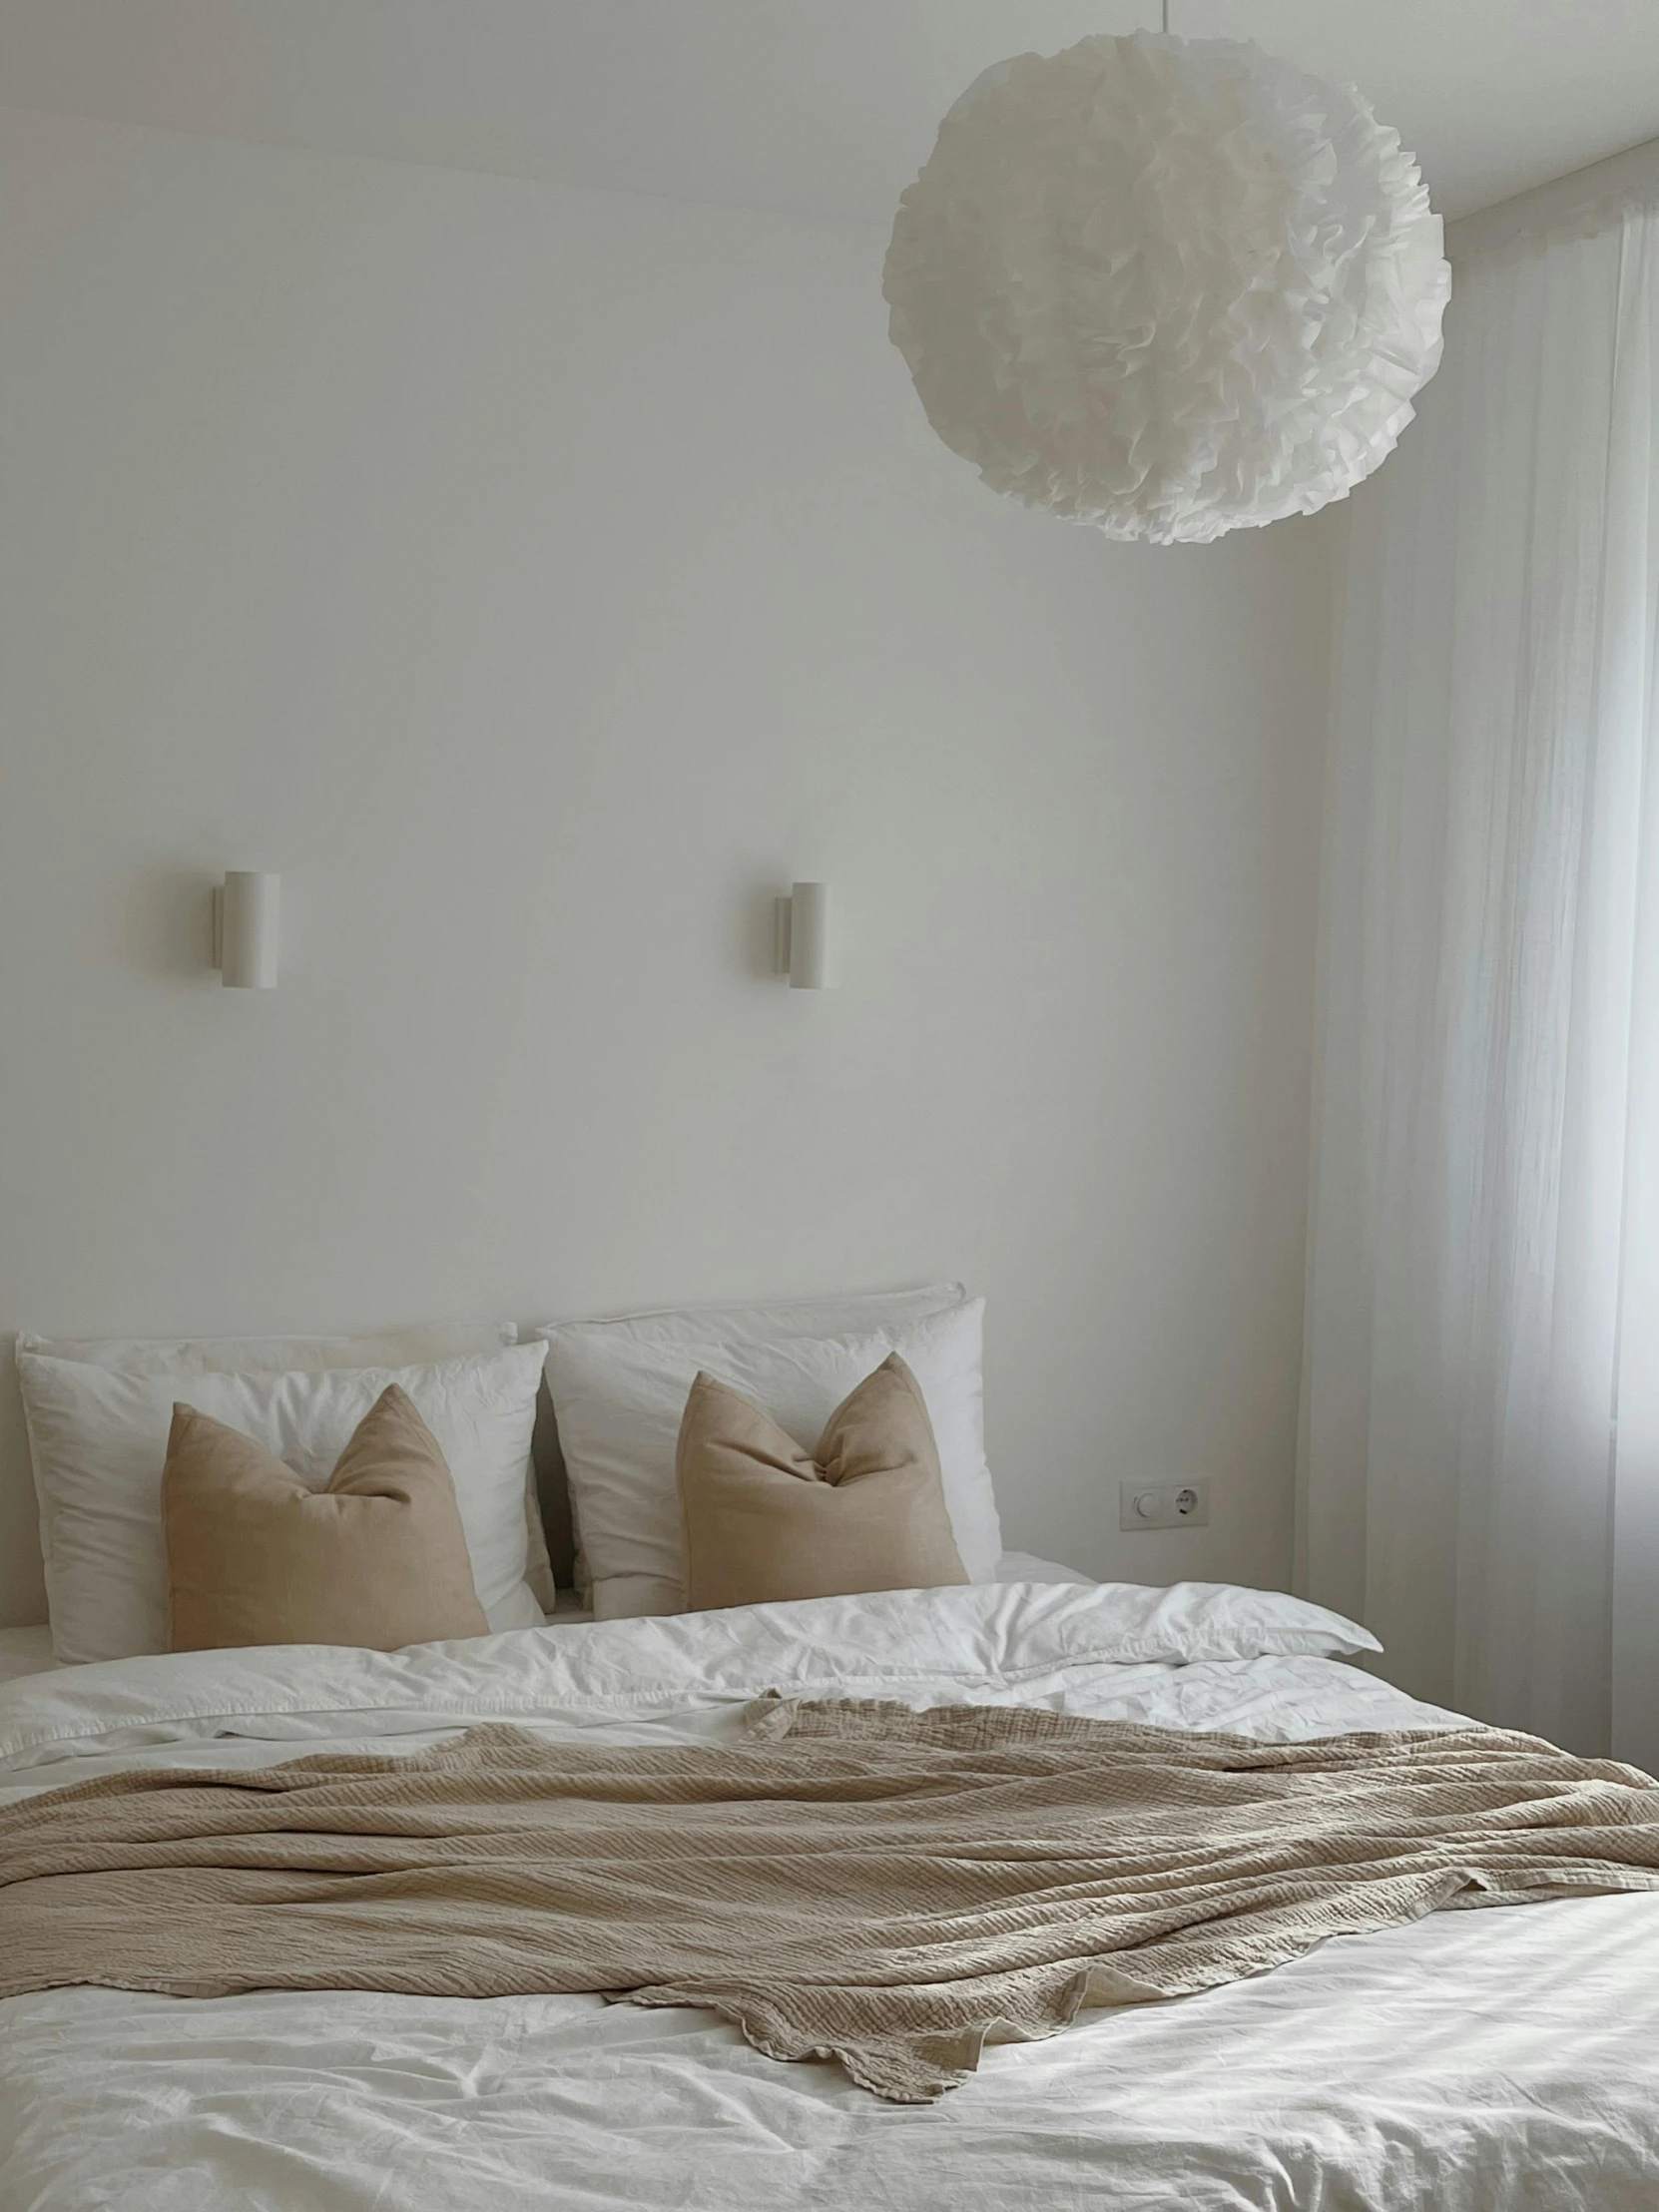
[538, 579]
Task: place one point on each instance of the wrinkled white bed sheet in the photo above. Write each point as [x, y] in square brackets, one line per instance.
[29, 1650]
[1507, 2058]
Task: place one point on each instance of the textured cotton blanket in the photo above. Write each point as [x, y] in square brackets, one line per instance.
[858, 1881]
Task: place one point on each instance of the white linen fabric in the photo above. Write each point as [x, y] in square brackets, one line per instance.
[1029, 1643]
[414, 1346]
[97, 1439]
[618, 1399]
[1469, 2062]
[1480, 1452]
[1013, 1566]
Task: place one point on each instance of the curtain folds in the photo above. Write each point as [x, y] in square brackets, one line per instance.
[1479, 1453]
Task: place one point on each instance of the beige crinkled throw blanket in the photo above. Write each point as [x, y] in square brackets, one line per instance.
[855, 1880]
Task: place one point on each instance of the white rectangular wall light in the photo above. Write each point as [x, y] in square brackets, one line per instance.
[244, 929]
[802, 937]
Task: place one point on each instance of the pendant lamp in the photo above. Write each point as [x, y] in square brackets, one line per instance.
[1169, 287]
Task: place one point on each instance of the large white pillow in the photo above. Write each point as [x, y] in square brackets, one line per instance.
[618, 1397]
[97, 1439]
[393, 1348]
[844, 1314]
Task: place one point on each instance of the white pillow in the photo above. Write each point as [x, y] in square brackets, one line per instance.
[619, 1398]
[393, 1347]
[98, 1438]
[848, 1313]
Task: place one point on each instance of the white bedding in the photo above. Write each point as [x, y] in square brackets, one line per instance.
[1507, 2058]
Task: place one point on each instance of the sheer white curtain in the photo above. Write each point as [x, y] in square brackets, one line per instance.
[1480, 1476]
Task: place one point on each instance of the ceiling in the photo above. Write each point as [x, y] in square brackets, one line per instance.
[815, 107]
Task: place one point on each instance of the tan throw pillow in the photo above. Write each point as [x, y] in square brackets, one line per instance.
[764, 1519]
[256, 1556]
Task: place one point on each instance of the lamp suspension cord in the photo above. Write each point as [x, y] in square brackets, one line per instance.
[1166, 18]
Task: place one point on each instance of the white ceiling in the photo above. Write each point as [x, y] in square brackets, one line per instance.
[816, 106]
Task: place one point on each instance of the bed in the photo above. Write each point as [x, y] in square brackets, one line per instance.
[1468, 2060]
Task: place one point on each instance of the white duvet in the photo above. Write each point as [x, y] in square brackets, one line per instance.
[1474, 2060]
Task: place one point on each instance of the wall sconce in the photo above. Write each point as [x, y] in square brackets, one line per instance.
[801, 950]
[245, 931]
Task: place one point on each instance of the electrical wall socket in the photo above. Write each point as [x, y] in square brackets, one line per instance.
[1164, 1505]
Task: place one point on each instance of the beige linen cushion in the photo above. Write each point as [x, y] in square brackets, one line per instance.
[765, 1520]
[377, 1558]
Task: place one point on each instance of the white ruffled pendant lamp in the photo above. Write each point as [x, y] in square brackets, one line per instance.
[1171, 287]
